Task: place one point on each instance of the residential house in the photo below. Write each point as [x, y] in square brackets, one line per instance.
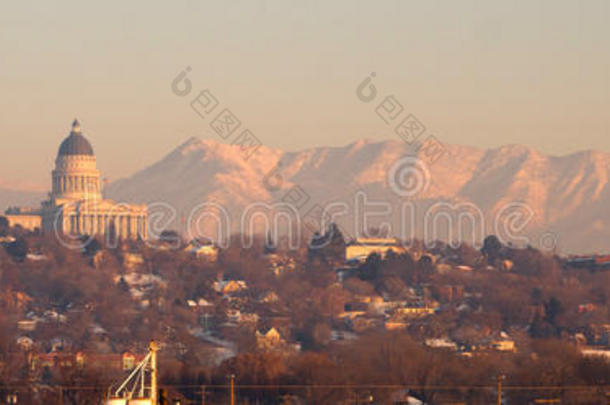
[269, 297]
[396, 322]
[230, 286]
[441, 343]
[417, 311]
[202, 249]
[132, 261]
[503, 343]
[600, 352]
[269, 340]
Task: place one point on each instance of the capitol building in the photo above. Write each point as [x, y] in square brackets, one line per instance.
[76, 205]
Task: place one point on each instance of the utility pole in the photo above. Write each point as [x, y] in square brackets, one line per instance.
[232, 389]
[153, 372]
[499, 379]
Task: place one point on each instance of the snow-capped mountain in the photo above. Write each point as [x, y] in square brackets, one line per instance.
[551, 200]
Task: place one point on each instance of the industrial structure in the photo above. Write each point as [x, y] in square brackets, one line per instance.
[140, 387]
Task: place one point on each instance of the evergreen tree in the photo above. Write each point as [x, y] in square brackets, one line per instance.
[328, 247]
[4, 226]
[18, 249]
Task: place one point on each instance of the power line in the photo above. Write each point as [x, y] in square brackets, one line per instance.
[331, 386]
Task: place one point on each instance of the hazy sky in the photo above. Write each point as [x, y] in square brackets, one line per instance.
[481, 73]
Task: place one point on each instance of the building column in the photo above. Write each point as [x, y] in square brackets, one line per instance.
[105, 224]
[133, 220]
[120, 227]
[126, 227]
[117, 228]
[63, 223]
[112, 225]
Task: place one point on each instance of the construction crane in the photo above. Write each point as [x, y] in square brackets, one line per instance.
[137, 389]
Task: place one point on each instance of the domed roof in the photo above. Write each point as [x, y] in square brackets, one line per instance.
[75, 143]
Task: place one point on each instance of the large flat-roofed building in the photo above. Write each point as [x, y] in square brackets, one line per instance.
[76, 205]
[27, 218]
[361, 248]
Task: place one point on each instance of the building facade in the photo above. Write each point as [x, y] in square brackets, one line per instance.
[27, 218]
[361, 248]
[76, 205]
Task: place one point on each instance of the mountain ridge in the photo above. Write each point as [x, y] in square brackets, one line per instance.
[560, 190]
